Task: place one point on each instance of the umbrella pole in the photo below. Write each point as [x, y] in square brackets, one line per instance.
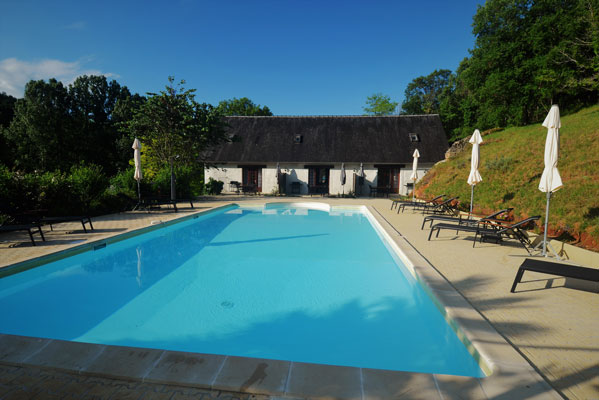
[414, 192]
[546, 221]
[471, 200]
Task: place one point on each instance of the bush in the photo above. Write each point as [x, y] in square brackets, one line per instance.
[188, 182]
[214, 186]
[87, 183]
[20, 192]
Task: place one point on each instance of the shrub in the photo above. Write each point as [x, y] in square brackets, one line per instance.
[214, 186]
[187, 182]
[87, 183]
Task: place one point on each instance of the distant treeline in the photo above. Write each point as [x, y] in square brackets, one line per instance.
[528, 55]
[55, 127]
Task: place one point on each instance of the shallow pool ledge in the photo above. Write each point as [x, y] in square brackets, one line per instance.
[266, 377]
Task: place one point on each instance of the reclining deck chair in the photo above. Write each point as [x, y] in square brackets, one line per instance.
[436, 208]
[492, 231]
[554, 268]
[57, 220]
[446, 207]
[409, 202]
[30, 228]
[460, 220]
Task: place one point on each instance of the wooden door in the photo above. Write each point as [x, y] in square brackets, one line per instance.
[253, 177]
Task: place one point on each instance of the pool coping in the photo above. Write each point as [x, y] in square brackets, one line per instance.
[510, 374]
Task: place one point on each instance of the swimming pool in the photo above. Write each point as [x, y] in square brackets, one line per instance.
[277, 282]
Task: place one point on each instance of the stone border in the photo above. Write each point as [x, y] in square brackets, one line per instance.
[510, 375]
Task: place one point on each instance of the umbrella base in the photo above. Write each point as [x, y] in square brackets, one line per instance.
[548, 246]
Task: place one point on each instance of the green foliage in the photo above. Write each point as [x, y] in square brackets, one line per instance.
[57, 192]
[527, 56]
[55, 127]
[176, 127]
[123, 182]
[500, 164]
[188, 182]
[422, 96]
[214, 186]
[7, 108]
[379, 104]
[242, 106]
[88, 182]
[42, 132]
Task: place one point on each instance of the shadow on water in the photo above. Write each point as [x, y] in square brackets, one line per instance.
[65, 299]
[351, 334]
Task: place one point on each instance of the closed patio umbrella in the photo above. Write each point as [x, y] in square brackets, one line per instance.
[279, 177]
[137, 160]
[474, 176]
[550, 180]
[414, 176]
[362, 176]
[343, 178]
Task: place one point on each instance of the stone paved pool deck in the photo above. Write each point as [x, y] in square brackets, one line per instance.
[554, 329]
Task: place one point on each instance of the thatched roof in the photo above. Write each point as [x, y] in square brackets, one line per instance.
[332, 139]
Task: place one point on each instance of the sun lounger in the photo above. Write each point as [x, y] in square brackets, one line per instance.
[461, 220]
[397, 202]
[422, 206]
[491, 232]
[30, 228]
[57, 220]
[554, 268]
[446, 207]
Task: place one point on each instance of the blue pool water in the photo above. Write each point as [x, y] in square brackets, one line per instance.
[279, 283]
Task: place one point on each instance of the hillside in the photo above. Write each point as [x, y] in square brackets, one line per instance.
[511, 163]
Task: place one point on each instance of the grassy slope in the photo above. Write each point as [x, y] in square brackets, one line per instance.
[511, 163]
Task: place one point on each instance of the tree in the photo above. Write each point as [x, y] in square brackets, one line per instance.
[7, 108]
[177, 128]
[93, 103]
[7, 111]
[55, 127]
[379, 104]
[525, 58]
[423, 94]
[242, 106]
[42, 135]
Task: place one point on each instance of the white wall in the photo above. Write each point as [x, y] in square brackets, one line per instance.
[225, 174]
[269, 179]
[404, 177]
[297, 173]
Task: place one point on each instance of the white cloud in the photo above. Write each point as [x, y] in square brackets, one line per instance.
[14, 73]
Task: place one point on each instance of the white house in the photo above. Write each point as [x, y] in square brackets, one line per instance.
[311, 150]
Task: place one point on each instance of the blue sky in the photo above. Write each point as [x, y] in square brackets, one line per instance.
[296, 57]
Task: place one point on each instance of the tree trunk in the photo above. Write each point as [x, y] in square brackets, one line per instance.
[173, 190]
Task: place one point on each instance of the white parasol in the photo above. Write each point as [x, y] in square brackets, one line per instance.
[414, 176]
[550, 180]
[474, 178]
